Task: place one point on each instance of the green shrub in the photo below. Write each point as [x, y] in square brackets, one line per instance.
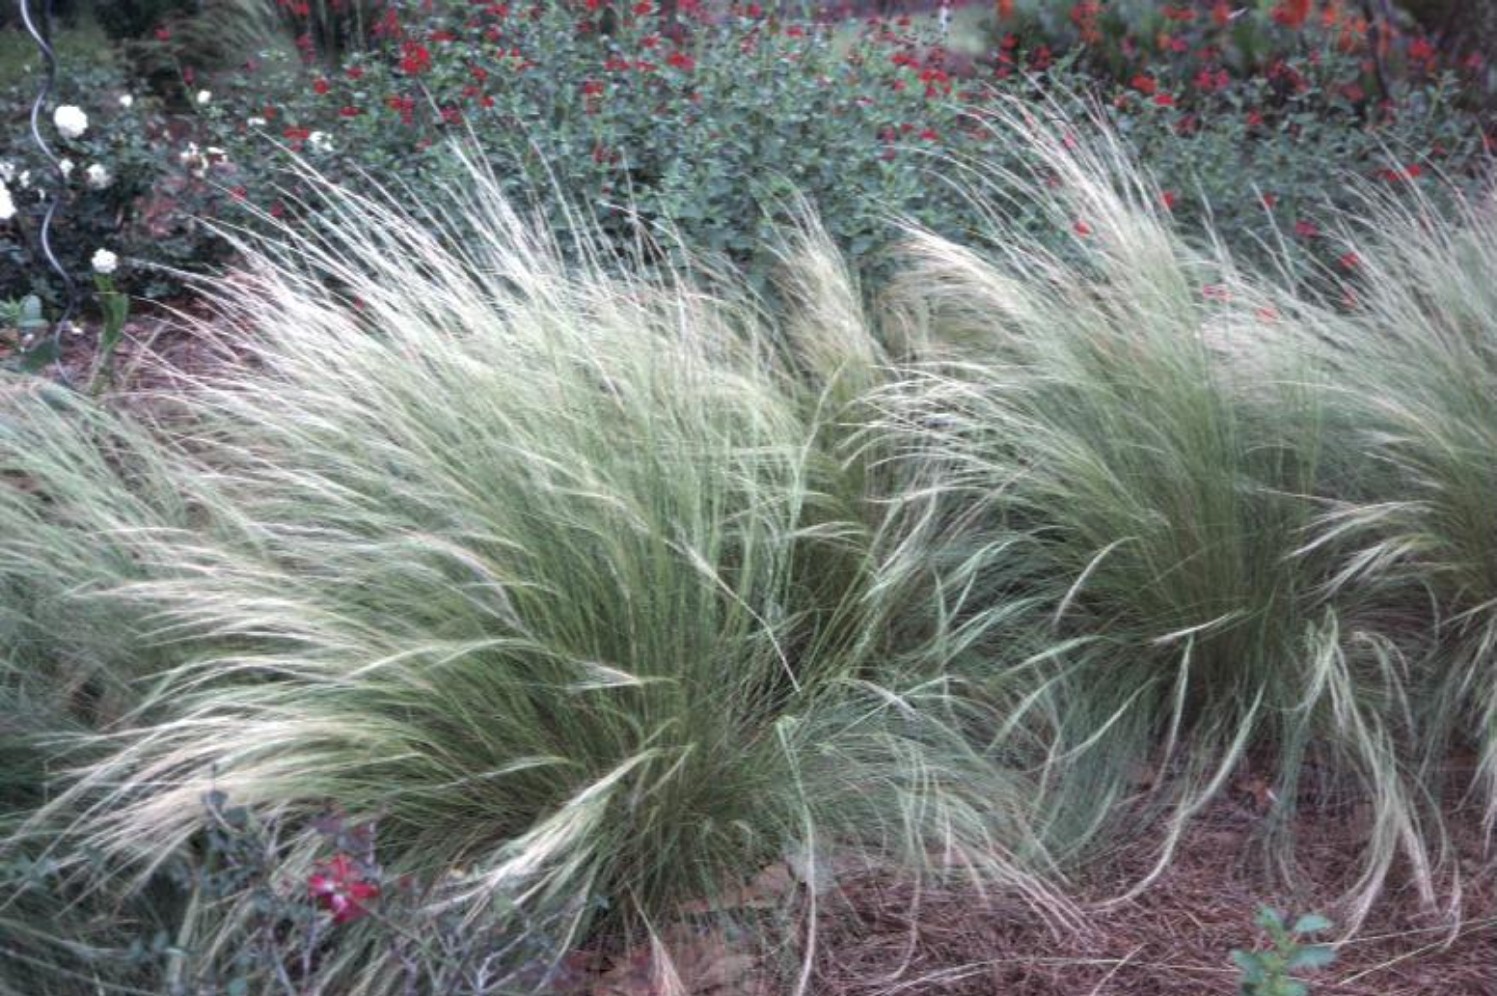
[708, 132]
[709, 135]
[136, 185]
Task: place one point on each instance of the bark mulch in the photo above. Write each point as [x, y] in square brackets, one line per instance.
[1176, 937]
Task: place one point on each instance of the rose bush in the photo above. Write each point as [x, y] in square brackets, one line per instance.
[126, 187]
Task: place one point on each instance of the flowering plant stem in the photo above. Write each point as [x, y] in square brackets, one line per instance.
[116, 308]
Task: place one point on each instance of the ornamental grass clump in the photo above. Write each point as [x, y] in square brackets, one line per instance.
[76, 486]
[1125, 445]
[1416, 373]
[559, 578]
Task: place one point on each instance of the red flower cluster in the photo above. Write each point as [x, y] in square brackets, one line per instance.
[339, 887]
[1291, 13]
[415, 59]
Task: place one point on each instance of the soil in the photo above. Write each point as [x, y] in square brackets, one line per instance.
[1177, 936]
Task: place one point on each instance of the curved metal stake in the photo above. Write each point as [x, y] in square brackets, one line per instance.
[70, 286]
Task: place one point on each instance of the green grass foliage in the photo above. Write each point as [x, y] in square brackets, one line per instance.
[596, 593]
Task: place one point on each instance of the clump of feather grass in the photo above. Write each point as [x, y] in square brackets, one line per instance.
[1126, 448]
[77, 485]
[549, 570]
[1415, 363]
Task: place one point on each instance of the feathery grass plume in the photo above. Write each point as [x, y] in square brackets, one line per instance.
[1416, 371]
[529, 563]
[76, 484]
[1124, 444]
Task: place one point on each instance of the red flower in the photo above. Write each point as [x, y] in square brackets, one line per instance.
[337, 886]
[681, 61]
[643, 8]
[1306, 229]
[321, 86]
[1349, 261]
[1421, 50]
[1164, 100]
[1144, 84]
[415, 59]
[1169, 199]
[163, 33]
[1291, 13]
[348, 111]
[592, 88]
[355, 72]
[1081, 228]
[930, 135]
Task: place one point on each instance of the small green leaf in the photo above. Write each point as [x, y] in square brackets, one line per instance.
[1269, 918]
[1314, 956]
[31, 314]
[1311, 923]
[1293, 987]
[238, 987]
[1251, 965]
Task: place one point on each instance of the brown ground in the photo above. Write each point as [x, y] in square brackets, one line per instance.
[1175, 938]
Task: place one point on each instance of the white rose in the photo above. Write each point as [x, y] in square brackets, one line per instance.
[7, 205]
[204, 96]
[126, 101]
[71, 122]
[255, 123]
[319, 141]
[66, 167]
[97, 176]
[25, 179]
[104, 262]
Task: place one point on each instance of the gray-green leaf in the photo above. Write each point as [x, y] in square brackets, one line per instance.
[1311, 923]
[1314, 956]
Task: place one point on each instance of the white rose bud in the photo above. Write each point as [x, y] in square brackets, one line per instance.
[71, 122]
[126, 101]
[204, 96]
[7, 204]
[66, 167]
[104, 262]
[97, 176]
